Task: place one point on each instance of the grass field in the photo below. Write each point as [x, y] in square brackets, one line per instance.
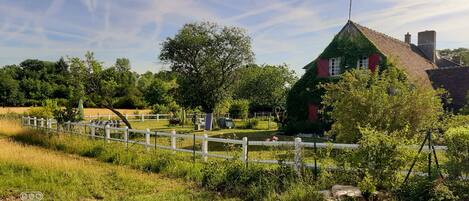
[60, 176]
[88, 111]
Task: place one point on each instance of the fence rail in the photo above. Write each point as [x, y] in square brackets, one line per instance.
[91, 130]
[143, 117]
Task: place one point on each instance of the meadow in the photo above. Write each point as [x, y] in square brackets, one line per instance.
[63, 176]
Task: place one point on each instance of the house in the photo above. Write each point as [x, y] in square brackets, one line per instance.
[356, 46]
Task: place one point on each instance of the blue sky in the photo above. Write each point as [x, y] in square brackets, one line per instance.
[292, 32]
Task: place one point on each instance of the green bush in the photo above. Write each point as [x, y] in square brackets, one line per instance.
[239, 109]
[253, 181]
[46, 111]
[457, 141]
[420, 189]
[249, 124]
[380, 156]
[171, 107]
[298, 192]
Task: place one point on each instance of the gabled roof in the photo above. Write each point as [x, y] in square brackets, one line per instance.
[455, 80]
[407, 56]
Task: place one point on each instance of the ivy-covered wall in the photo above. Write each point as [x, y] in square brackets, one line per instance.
[349, 45]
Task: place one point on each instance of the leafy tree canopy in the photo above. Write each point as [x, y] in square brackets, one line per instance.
[386, 102]
[265, 86]
[205, 57]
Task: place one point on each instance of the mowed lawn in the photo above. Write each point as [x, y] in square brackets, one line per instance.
[61, 176]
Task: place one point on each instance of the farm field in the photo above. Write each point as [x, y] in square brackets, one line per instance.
[88, 111]
[60, 176]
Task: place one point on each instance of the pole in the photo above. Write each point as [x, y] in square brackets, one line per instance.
[193, 148]
[315, 160]
[429, 155]
[415, 159]
[350, 11]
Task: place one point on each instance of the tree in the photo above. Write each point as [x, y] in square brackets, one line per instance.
[266, 86]
[205, 56]
[9, 89]
[386, 102]
[103, 87]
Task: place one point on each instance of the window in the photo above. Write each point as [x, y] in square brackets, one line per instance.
[362, 62]
[334, 66]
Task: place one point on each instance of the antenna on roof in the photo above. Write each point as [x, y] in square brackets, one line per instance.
[350, 10]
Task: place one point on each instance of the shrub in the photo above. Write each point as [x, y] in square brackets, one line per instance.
[379, 155]
[239, 109]
[46, 111]
[457, 141]
[159, 109]
[299, 192]
[251, 123]
[253, 181]
[387, 102]
[420, 189]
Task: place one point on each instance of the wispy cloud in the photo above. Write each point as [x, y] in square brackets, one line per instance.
[293, 32]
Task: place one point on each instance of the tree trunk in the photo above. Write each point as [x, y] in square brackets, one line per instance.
[122, 117]
[208, 121]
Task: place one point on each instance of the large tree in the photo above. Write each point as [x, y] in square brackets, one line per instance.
[205, 57]
[266, 86]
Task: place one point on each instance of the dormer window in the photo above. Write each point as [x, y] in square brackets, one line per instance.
[334, 66]
[362, 62]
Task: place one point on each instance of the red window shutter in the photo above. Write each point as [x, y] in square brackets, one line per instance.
[373, 61]
[312, 112]
[322, 68]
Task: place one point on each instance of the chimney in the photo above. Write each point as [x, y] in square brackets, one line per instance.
[427, 44]
[408, 38]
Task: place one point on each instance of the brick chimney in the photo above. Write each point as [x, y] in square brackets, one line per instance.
[408, 38]
[427, 44]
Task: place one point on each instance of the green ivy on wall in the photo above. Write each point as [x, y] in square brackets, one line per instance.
[349, 47]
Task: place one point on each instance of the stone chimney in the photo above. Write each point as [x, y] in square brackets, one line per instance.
[408, 38]
[427, 44]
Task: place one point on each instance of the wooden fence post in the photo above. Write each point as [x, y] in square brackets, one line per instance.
[107, 130]
[93, 131]
[244, 155]
[69, 127]
[147, 139]
[205, 147]
[143, 117]
[35, 121]
[42, 122]
[297, 154]
[173, 140]
[126, 135]
[157, 117]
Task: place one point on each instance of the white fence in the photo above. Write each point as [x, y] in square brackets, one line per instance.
[91, 130]
[142, 117]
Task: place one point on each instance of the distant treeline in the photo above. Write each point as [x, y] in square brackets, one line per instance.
[33, 81]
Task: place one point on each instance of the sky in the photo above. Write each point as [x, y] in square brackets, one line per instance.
[291, 32]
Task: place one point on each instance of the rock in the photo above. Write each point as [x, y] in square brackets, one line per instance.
[340, 191]
[327, 194]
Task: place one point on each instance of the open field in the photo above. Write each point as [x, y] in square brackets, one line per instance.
[60, 176]
[88, 111]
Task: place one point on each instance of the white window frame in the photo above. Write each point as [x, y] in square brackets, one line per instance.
[362, 62]
[334, 66]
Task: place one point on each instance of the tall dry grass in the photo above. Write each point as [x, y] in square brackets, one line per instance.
[61, 176]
